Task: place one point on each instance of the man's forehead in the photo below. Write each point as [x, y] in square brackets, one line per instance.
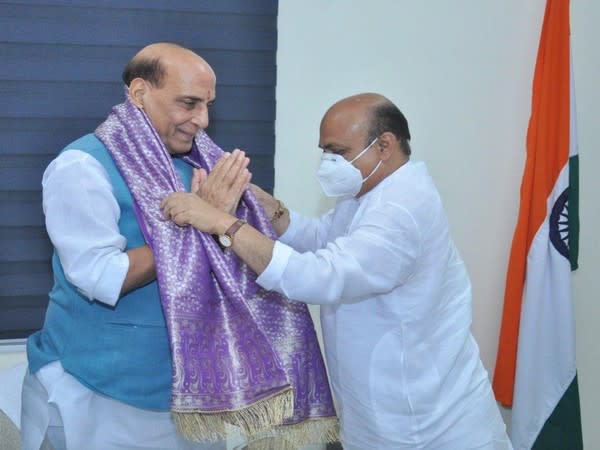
[343, 123]
[339, 138]
[190, 80]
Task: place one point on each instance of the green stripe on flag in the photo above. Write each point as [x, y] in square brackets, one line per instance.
[562, 430]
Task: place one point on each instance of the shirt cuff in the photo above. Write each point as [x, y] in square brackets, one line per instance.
[290, 233]
[271, 277]
[108, 288]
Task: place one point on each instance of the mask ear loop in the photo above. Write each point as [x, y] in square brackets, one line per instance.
[366, 148]
[372, 171]
[361, 153]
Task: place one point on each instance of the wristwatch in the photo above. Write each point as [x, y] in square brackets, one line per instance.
[226, 239]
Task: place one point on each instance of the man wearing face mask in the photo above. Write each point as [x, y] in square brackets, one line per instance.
[394, 293]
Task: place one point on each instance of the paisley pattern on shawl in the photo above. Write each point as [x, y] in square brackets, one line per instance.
[241, 355]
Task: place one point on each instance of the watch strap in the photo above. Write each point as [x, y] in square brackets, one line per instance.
[234, 228]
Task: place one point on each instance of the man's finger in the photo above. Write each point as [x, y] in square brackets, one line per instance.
[236, 170]
[198, 178]
[241, 183]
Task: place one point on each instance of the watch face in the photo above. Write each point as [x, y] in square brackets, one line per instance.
[225, 240]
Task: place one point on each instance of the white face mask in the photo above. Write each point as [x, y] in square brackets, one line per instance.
[338, 176]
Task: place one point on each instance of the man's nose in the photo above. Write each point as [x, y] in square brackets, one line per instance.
[200, 118]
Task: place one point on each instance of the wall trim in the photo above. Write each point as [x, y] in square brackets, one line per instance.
[12, 345]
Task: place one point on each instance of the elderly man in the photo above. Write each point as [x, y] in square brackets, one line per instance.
[148, 331]
[394, 293]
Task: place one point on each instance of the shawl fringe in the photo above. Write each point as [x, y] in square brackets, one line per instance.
[262, 416]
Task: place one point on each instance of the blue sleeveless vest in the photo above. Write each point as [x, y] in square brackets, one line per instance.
[122, 351]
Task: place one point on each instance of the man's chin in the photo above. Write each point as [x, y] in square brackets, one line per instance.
[180, 148]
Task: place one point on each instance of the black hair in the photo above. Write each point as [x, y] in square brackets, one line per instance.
[387, 117]
[150, 69]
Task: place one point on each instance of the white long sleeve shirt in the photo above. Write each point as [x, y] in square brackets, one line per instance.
[82, 218]
[395, 312]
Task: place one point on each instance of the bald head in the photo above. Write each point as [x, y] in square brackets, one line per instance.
[152, 63]
[359, 102]
[353, 113]
[369, 115]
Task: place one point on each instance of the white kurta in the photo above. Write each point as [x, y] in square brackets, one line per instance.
[82, 217]
[396, 313]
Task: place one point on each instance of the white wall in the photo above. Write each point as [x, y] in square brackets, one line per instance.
[461, 71]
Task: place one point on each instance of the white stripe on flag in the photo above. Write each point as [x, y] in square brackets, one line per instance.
[546, 349]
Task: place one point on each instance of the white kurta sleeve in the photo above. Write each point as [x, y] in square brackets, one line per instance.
[305, 233]
[377, 256]
[82, 217]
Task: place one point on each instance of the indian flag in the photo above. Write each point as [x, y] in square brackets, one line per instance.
[535, 368]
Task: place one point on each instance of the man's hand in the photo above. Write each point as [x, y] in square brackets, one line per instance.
[224, 185]
[185, 208]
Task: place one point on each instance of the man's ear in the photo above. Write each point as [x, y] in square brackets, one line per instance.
[137, 90]
[386, 144]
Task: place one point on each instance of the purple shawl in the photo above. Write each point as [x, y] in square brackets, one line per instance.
[241, 355]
